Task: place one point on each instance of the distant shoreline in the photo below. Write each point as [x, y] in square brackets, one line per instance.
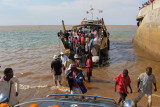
[53, 27]
[50, 25]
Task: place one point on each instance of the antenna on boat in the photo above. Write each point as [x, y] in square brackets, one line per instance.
[92, 10]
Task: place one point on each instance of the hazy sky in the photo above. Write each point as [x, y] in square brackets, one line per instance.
[52, 12]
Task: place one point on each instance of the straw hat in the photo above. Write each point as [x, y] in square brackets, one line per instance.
[61, 53]
[55, 57]
[76, 56]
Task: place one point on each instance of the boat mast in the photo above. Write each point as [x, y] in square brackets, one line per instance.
[63, 26]
[91, 10]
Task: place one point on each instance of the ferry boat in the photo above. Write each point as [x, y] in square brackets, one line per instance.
[98, 44]
[148, 33]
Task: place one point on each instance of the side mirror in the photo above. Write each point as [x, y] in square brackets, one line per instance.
[3, 98]
[128, 103]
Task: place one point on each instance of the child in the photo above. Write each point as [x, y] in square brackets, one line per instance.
[89, 67]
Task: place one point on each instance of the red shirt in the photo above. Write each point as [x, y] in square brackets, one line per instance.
[77, 63]
[122, 82]
[89, 65]
[75, 42]
[151, 1]
[82, 40]
[79, 34]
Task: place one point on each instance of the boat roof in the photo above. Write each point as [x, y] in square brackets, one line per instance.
[81, 25]
[91, 23]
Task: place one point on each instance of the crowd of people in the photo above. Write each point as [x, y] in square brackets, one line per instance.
[9, 84]
[72, 73]
[81, 43]
[146, 4]
[76, 83]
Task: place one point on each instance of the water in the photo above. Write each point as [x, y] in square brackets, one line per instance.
[27, 39]
[29, 51]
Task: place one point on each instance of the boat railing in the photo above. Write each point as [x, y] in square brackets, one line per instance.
[82, 96]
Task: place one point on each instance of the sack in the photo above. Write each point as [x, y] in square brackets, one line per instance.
[95, 59]
[85, 84]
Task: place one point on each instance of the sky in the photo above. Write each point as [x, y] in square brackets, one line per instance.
[52, 12]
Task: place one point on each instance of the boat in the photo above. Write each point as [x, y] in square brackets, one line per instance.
[70, 100]
[100, 43]
[147, 36]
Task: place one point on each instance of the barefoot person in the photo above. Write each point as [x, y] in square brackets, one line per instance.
[123, 81]
[56, 69]
[10, 86]
[89, 67]
[145, 81]
[64, 59]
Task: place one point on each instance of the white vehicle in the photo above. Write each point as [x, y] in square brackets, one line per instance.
[71, 100]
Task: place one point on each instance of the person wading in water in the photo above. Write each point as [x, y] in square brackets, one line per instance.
[145, 81]
[56, 69]
[89, 66]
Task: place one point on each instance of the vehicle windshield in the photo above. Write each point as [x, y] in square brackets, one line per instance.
[67, 103]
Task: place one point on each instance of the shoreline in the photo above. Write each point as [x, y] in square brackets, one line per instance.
[59, 27]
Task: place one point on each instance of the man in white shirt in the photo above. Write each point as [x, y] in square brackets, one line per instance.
[145, 81]
[64, 59]
[9, 85]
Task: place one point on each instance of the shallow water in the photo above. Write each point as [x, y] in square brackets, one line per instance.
[29, 51]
